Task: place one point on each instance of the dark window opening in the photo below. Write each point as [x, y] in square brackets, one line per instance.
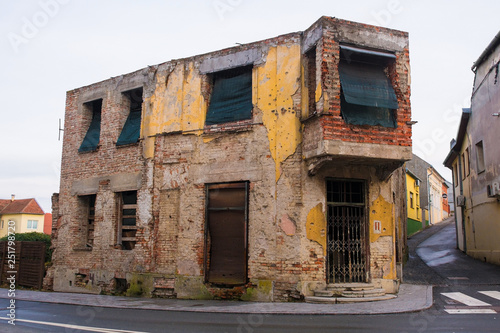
[480, 157]
[91, 220]
[91, 140]
[226, 234]
[411, 200]
[132, 128]
[231, 98]
[367, 94]
[127, 227]
[311, 82]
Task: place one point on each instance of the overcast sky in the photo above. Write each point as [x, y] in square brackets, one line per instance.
[51, 46]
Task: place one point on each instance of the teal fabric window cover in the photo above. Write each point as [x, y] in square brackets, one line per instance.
[91, 139]
[368, 97]
[132, 128]
[231, 98]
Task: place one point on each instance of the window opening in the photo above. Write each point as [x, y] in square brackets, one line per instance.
[231, 98]
[226, 233]
[310, 57]
[132, 128]
[411, 200]
[480, 157]
[367, 95]
[91, 140]
[90, 219]
[128, 217]
[32, 224]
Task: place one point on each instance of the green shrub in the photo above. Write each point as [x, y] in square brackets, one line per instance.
[35, 237]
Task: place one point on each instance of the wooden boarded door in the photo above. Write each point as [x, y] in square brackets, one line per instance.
[347, 255]
[226, 233]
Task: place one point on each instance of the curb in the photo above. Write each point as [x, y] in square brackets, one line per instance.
[411, 298]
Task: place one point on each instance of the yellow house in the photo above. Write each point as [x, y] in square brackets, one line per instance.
[20, 216]
[414, 218]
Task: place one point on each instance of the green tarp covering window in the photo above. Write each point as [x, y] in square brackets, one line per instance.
[368, 97]
[132, 128]
[231, 98]
[91, 139]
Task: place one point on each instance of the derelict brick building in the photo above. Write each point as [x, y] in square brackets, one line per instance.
[261, 172]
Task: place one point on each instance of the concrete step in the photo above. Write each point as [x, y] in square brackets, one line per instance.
[363, 293]
[350, 286]
[325, 293]
[342, 300]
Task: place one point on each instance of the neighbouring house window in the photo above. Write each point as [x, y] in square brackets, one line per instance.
[367, 95]
[467, 155]
[480, 157]
[411, 200]
[310, 58]
[127, 227]
[132, 128]
[455, 173]
[231, 98]
[226, 233]
[91, 139]
[32, 224]
[2, 224]
[464, 168]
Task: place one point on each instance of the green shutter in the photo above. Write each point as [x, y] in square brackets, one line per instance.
[367, 84]
[131, 130]
[231, 98]
[91, 139]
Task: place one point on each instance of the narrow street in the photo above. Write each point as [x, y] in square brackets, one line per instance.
[462, 285]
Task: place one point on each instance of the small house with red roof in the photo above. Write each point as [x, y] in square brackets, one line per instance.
[22, 215]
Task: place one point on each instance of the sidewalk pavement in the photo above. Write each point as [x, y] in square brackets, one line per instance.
[411, 298]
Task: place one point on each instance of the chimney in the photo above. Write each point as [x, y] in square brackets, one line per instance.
[12, 197]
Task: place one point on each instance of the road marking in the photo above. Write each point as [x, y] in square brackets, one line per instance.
[469, 311]
[77, 327]
[467, 300]
[492, 294]
[458, 278]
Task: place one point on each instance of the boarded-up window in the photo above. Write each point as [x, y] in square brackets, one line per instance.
[231, 98]
[226, 234]
[367, 95]
[132, 128]
[92, 137]
[127, 227]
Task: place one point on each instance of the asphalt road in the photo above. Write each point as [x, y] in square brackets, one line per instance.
[466, 299]
[44, 317]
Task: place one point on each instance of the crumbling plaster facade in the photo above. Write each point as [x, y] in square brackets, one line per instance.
[285, 153]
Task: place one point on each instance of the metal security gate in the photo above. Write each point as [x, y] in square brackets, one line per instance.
[347, 255]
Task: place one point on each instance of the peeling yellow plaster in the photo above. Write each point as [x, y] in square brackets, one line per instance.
[177, 104]
[278, 80]
[194, 108]
[316, 226]
[381, 210]
[155, 104]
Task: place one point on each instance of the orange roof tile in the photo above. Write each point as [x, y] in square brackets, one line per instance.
[22, 206]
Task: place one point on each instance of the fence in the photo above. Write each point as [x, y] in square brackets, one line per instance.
[28, 266]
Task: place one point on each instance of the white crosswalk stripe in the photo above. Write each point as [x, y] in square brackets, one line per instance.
[492, 294]
[472, 305]
[464, 299]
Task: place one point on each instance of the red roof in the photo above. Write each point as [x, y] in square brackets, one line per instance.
[22, 206]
